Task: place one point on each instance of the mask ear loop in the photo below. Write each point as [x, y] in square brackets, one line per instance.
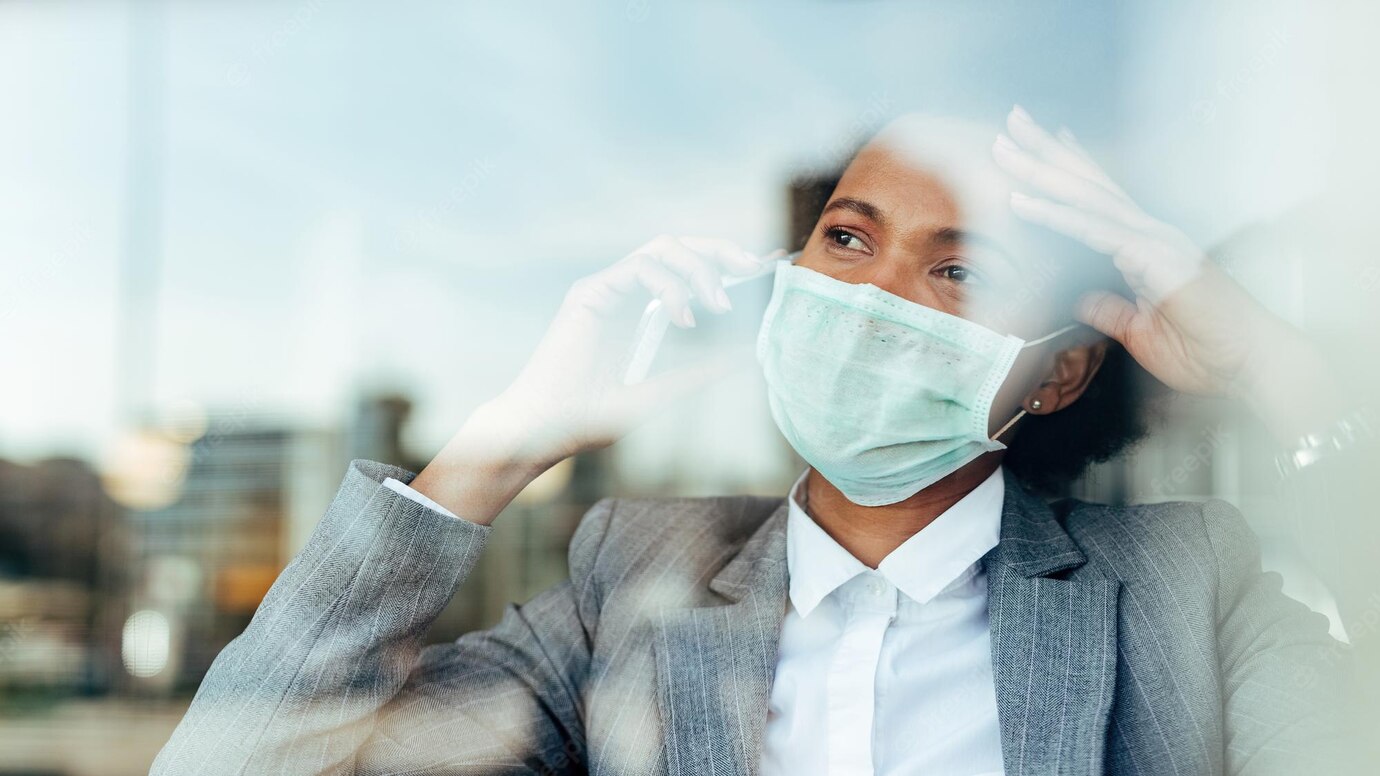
[1009, 424]
[1032, 343]
[1051, 335]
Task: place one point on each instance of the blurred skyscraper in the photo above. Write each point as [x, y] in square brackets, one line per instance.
[62, 571]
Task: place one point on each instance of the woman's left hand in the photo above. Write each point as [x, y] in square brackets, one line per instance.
[1190, 325]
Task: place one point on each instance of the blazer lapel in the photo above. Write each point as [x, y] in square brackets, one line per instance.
[1054, 644]
[715, 662]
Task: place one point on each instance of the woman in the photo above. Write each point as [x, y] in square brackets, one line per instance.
[911, 606]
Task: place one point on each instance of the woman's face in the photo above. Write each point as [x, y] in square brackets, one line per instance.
[943, 235]
[906, 230]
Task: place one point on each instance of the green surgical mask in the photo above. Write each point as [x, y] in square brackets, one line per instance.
[880, 395]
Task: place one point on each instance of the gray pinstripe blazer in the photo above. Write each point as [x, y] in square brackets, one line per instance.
[1124, 640]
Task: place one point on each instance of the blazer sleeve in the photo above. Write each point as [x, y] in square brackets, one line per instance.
[338, 635]
[1283, 675]
[505, 700]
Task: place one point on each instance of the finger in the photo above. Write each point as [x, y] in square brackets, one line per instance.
[1160, 269]
[649, 273]
[1109, 313]
[656, 392]
[733, 258]
[1152, 268]
[1065, 186]
[1071, 142]
[702, 274]
[1035, 139]
[1066, 136]
[1100, 234]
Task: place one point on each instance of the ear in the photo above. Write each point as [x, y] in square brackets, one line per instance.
[1070, 375]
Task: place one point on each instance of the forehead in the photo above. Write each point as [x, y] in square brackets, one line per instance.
[905, 193]
[929, 174]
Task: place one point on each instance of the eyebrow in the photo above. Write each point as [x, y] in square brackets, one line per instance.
[945, 236]
[952, 236]
[861, 207]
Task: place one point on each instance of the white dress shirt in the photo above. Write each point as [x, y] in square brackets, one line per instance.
[399, 486]
[888, 671]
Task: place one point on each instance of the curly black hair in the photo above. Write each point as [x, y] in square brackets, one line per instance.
[1051, 451]
[1116, 410]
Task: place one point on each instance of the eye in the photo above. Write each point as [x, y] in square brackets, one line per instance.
[845, 239]
[959, 273]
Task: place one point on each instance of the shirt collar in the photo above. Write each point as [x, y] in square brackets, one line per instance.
[922, 567]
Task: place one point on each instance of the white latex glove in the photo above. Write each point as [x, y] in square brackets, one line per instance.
[1190, 325]
[570, 396]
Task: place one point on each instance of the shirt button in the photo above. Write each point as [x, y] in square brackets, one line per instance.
[875, 587]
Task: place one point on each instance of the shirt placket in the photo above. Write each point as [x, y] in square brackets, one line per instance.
[852, 679]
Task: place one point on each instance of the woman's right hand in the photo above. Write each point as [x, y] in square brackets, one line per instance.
[570, 395]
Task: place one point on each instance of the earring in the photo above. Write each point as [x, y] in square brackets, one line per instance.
[1035, 405]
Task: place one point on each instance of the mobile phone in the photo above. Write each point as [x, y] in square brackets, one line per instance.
[655, 342]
